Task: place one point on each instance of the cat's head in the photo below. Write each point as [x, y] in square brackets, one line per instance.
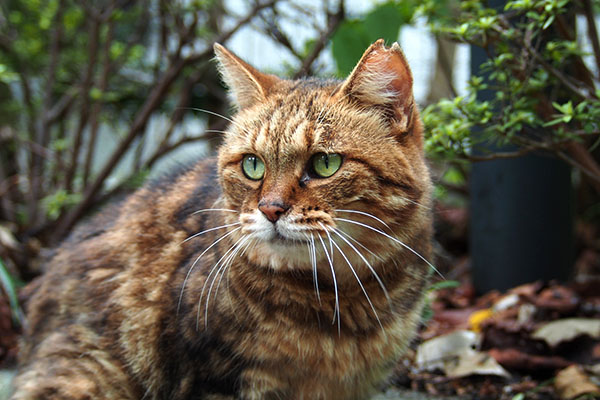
[331, 166]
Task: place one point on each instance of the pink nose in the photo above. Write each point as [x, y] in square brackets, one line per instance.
[272, 210]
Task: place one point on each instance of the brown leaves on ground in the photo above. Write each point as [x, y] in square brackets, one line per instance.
[546, 336]
[573, 382]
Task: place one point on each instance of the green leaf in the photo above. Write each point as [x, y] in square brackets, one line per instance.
[426, 312]
[548, 22]
[354, 36]
[6, 75]
[10, 285]
[95, 93]
[348, 44]
[444, 285]
[384, 22]
[54, 203]
[454, 176]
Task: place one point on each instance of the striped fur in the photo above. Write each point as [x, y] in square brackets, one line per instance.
[186, 290]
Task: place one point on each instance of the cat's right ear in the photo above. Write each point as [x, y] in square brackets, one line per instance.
[247, 86]
[382, 78]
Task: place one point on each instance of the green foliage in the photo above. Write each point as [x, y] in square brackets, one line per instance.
[56, 202]
[10, 286]
[72, 73]
[355, 35]
[534, 91]
[443, 285]
[526, 94]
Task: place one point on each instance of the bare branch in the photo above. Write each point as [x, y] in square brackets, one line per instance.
[501, 155]
[273, 30]
[592, 31]
[226, 35]
[43, 132]
[96, 107]
[137, 127]
[582, 159]
[58, 162]
[84, 112]
[162, 152]
[62, 106]
[566, 81]
[334, 20]
[152, 102]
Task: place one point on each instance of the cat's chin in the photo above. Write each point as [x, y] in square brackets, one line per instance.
[280, 253]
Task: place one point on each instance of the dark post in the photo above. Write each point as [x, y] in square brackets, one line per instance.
[521, 227]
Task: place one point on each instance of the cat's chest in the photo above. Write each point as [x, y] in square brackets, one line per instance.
[318, 364]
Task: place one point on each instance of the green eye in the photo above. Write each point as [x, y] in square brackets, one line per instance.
[253, 167]
[325, 165]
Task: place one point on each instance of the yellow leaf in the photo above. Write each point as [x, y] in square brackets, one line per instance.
[478, 317]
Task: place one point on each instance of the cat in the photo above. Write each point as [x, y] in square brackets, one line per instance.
[292, 266]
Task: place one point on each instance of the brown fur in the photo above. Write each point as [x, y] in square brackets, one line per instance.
[128, 309]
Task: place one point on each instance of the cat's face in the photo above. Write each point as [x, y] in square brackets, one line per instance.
[310, 164]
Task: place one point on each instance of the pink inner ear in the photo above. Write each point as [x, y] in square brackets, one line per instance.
[392, 63]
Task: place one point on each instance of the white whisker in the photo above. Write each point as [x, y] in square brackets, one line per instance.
[227, 264]
[218, 115]
[313, 260]
[337, 301]
[395, 240]
[360, 244]
[214, 131]
[368, 264]
[210, 230]
[367, 215]
[416, 203]
[214, 209]
[215, 267]
[228, 291]
[196, 261]
[210, 112]
[359, 282]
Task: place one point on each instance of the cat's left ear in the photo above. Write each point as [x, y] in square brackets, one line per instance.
[382, 78]
[247, 86]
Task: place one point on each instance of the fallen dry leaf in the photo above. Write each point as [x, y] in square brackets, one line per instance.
[456, 355]
[515, 359]
[474, 363]
[567, 329]
[478, 317]
[557, 298]
[572, 382]
[594, 370]
[529, 290]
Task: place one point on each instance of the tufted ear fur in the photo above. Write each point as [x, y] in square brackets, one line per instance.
[247, 86]
[382, 78]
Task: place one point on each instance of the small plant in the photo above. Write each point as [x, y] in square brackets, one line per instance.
[534, 93]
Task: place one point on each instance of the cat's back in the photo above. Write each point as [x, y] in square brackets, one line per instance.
[118, 257]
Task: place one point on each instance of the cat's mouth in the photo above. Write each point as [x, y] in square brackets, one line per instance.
[281, 238]
[278, 238]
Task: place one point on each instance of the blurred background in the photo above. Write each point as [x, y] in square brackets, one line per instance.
[98, 96]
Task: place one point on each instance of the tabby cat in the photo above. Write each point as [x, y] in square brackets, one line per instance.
[292, 266]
